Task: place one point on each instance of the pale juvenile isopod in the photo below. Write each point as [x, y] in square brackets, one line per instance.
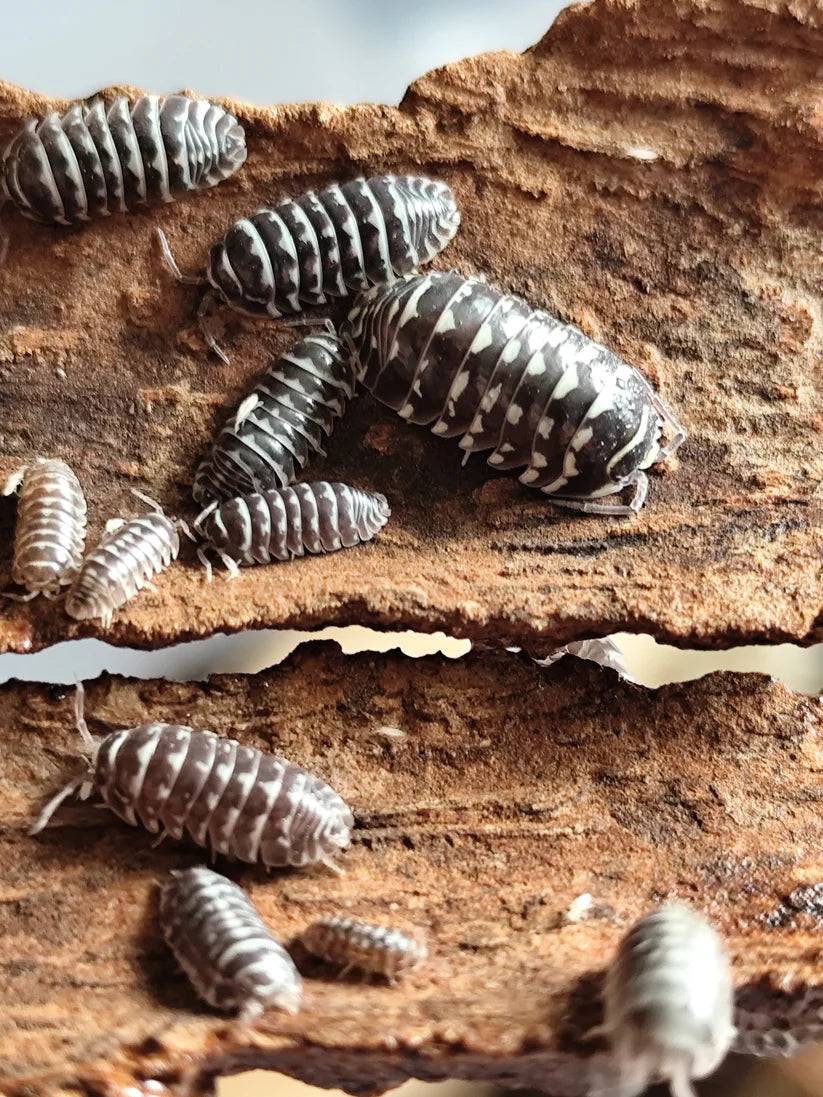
[95, 161]
[233, 799]
[326, 244]
[122, 563]
[278, 525]
[51, 527]
[456, 354]
[355, 943]
[224, 946]
[668, 1003]
[284, 420]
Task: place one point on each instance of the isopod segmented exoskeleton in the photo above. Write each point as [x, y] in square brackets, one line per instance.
[291, 409]
[355, 943]
[225, 948]
[94, 161]
[234, 799]
[51, 527]
[326, 244]
[281, 524]
[668, 1003]
[459, 355]
[122, 563]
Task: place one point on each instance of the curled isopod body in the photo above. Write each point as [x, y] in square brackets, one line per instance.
[668, 1003]
[354, 943]
[277, 525]
[94, 161]
[51, 527]
[291, 409]
[122, 564]
[332, 242]
[224, 946]
[233, 799]
[460, 356]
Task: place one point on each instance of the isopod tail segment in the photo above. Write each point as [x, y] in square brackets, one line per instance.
[83, 783]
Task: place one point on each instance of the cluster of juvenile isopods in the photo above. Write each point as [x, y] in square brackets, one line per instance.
[252, 807]
[441, 349]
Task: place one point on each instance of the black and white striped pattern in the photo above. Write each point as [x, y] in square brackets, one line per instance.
[122, 563]
[331, 243]
[93, 161]
[51, 526]
[281, 524]
[224, 946]
[456, 354]
[233, 799]
[354, 943]
[281, 423]
[669, 1002]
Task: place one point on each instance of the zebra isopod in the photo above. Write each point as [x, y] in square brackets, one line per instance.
[94, 161]
[225, 948]
[51, 527]
[123, 562]
[460, 356]
[281, 524]
[332, 242]
[271, 436]
[355, 943]
[235, 800]
[668, 1002]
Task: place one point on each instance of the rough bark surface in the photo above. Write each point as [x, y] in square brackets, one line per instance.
[511, 791]
[651, 171]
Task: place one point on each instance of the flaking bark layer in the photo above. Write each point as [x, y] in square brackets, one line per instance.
[489, 795]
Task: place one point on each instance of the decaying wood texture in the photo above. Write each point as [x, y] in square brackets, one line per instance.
[652, 171]
[511, 791]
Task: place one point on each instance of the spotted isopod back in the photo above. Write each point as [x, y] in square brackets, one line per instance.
[121, 565]
[278, 525]
[95, 161]
[233, 799]
[225, 948]
[332, 242]
[457, 355]
[282, 422]
[51, 526]
[668, 1002]
[355, 943]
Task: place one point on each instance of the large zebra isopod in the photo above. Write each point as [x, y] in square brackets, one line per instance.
[355, 943]
[281, 524]
[94, 161]
[271, 436]
[456, 354]
[668, 1002]
[127, 557]
[233, 799]
[224, 946]
[51, 527]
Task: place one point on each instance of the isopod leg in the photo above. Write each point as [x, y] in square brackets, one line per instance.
[310, 322]
[230, 565]
[206, 562]
[188, 278]
[679, 430]
[80, 715]
[198, 522]
[54, 803]
[20, 597]
[208, 338]
[641, 488]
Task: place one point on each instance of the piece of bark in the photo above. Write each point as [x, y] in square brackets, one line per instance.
[511, 791]
[650, 171]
